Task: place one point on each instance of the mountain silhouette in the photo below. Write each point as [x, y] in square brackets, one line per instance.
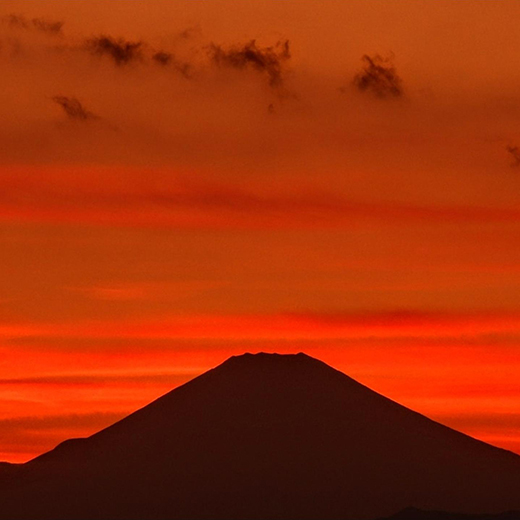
[265, 436]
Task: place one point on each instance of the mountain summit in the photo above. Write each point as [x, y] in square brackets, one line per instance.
[264, 436]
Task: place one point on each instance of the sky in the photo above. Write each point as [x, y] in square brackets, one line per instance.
[185, 181]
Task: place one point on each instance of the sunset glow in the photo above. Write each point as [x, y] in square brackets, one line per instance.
[165, 209]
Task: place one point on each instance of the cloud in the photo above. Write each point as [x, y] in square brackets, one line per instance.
[59, 421]
[120, 50]
[40, 24]
[123, 51]
[267, 60]
[106, 197]
[379, 77]
[73, 108]
[46, 25]
[162, 57]
[189, 32]
[85, 379]
[168, 59]
[515, 154]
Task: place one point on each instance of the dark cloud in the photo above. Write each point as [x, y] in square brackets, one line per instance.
[268, 60]
[515, 154]
[40, 24]
[168, 59]
[379, 77]
[16, 20]
[47, 26]
[190, 32]
[120, 50]
[124, 51]
[164, 58]
[73, 108]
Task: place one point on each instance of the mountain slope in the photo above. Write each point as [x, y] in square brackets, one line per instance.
[266, 436]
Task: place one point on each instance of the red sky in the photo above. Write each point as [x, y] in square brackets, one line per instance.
[156, 218]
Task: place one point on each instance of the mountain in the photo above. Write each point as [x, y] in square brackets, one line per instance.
[265, 436]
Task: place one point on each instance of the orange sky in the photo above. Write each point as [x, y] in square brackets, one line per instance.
[196, 209]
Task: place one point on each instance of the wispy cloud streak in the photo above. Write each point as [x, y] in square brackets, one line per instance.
[103, 197]
[73, 108]
[19, 21]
